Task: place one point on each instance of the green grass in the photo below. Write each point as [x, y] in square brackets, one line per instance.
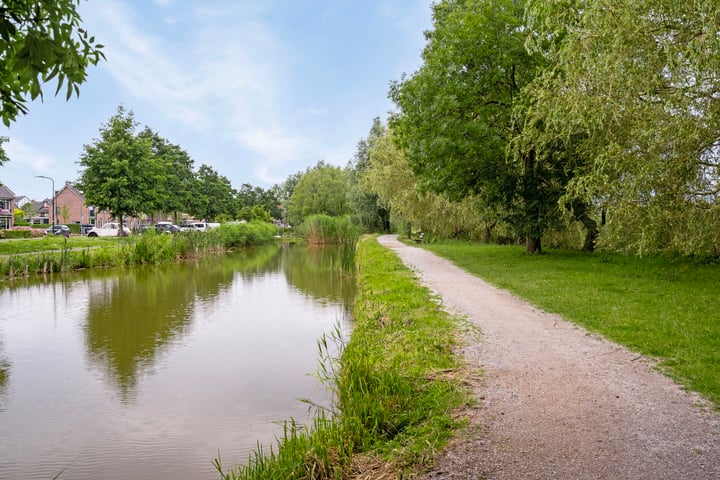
[41, 244]
[394, 387]
[666, 308]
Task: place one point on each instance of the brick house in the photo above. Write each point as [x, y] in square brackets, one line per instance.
[7, 208]
[70, 207]
[41, 213]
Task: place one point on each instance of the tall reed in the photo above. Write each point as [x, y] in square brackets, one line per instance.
[324, 229]
[148, 248]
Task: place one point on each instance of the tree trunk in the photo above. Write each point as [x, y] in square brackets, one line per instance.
[487, 234]
[385, 219]
[580, 212]
[121, 230]
[533, 245]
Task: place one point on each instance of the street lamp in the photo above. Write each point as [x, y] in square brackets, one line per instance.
[52, 197]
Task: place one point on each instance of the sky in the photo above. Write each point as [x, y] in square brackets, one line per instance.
[258, 90]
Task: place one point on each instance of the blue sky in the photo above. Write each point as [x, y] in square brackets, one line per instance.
[256, 89]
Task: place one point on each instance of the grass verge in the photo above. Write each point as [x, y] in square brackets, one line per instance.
[393, 388]
[665, 308]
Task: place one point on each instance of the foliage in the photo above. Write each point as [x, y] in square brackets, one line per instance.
[177, 189]
[320, 229]
[392, 409]
[41, 40]
[213, 196]
[663, 307]
[321, 190]
[240, 234]
[255, 213]
[463, 111]
[254, 199]
[391, 179]
[634, 85]
[121, 174]
[367, 209]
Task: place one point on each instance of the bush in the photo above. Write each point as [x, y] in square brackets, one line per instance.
[239, 234]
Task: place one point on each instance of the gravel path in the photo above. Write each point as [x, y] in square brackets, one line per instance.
[559, 403]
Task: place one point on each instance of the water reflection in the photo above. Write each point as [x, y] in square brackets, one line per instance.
[302, 266]
[4, 377]
[149, 372]
[134, 318]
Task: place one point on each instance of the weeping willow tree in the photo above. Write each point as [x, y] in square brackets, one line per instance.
[635, 87]
[398, 189]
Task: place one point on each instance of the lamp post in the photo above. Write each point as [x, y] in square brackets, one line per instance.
[52, 198]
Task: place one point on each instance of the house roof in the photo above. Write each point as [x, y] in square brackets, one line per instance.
[68, 186]
[5, 192]
[40, 207]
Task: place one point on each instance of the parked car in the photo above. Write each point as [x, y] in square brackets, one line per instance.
[63, 230]
[197, 226]
[166, 227]
[110, 229]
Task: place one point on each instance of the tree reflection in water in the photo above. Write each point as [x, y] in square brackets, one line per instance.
[135, 316]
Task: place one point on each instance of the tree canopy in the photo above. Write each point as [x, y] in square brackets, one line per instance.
[321, 190]
[368, 210]
[214, 195]
[462, 111]
[636, 86]
[121, 174]
[40, 41]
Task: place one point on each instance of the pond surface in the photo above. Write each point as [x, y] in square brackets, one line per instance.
[148, 373]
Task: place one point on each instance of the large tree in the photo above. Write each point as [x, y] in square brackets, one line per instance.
[462, 112]
[389, 177]
[369, 211]
[121, 174]
[214, 195]
[176, 192]
[41, 40]
[321, 190]
[636, 87]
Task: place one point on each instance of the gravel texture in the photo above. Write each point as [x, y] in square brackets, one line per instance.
[556, 402]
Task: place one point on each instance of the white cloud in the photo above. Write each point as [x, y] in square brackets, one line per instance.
[227, 75]
[27, 156]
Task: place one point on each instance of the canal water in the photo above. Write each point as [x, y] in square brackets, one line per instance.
[150, 373]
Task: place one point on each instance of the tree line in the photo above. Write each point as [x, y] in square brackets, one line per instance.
[129, 173]
[570, 123]
[554, 115]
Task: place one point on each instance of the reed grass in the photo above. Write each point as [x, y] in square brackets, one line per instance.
[391, 386]
[52, 254]
[324, 229]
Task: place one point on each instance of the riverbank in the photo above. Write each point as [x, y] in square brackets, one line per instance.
[395, 387]
[22, 258]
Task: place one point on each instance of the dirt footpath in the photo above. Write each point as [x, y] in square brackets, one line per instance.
[559, 403]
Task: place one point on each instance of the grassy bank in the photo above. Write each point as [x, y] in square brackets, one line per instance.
[665, 308]
[393, 386]
[57, 254]
[49, 243]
